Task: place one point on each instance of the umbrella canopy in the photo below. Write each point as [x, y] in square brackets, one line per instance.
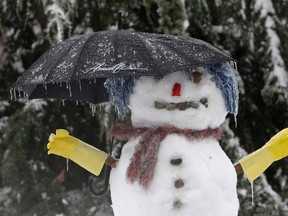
[77, 68]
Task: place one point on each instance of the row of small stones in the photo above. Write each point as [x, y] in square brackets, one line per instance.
[181, 105]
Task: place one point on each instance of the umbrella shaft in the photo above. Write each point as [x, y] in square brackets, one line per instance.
[119, 20]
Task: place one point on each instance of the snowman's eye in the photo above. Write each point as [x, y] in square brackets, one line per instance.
[196, 77]
[158, 77]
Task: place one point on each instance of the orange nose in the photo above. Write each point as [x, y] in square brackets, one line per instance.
[176, 89]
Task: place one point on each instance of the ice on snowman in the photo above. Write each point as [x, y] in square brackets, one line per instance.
[172, 163]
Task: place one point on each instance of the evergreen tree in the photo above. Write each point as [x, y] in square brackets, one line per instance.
[253, 32]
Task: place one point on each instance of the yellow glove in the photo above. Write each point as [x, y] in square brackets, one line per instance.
[67, 146]
[256, 163]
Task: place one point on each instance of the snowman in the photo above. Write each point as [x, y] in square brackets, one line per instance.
[172, 163]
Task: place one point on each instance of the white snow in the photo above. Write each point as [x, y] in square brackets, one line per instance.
[58, 17]
[186, 22]
[265, 6]
[18, 66]
[276, 197]
[64, 201]
[36, 104]
[4, 192]
[4, 122]
[282, 179]
[44, 195]
[209, 176]
[3, 105]
[267, 10]
[217, 29]
[10, 32]
[243, 8]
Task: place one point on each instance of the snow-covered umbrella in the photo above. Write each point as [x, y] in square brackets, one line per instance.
[77, 68]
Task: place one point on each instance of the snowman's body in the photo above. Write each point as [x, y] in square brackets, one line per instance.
[191, 177]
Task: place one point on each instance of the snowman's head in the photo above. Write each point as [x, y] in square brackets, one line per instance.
[195, 99]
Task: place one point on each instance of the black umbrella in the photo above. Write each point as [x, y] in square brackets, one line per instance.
[77, 68]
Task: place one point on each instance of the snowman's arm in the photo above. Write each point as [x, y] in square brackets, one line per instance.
[111, 161]
[238, 168]
[87, 156]
[254, 164]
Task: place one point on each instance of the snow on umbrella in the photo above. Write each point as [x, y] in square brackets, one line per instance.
[76, 68]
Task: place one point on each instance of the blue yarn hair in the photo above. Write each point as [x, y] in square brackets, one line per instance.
[224, 76]
[120, 88]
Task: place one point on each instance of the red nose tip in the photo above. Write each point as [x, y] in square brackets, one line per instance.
[176, 89]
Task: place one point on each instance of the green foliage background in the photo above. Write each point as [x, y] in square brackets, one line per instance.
[31, 183]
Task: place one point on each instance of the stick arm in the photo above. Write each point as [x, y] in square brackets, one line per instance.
[238, 168]
[111, 161]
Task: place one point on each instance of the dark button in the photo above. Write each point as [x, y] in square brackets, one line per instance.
[176, 162]
[177, 204]
[179, 183]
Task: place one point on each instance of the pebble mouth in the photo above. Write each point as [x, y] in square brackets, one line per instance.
[182, 105]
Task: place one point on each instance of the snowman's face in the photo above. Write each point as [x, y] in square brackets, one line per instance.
[177, 99]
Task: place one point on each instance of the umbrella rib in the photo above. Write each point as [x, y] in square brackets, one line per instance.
[115, 43]
[184, 56]
[148, 51]
[79, 54]
[50, 73]
[170, 48]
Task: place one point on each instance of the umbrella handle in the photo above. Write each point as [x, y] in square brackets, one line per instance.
[108, 166]
[106, 184]
[110, 162]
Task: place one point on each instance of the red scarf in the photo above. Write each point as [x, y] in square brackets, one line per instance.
[144, 160]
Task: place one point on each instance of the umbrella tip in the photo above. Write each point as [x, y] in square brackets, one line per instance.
[119, 20]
